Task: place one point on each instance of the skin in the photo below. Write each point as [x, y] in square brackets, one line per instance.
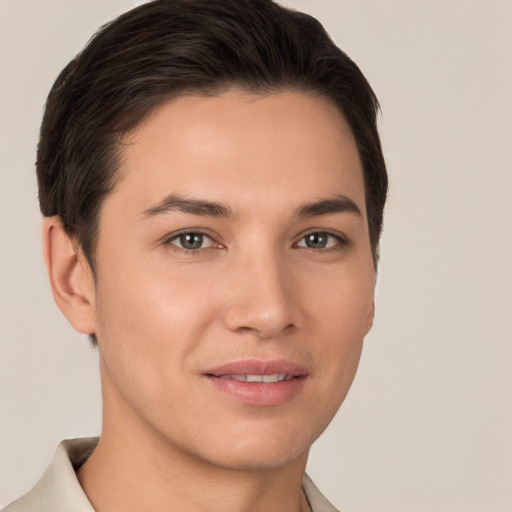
[254, 289]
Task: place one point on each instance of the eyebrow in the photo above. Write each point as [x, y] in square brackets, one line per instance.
[338, 204]
[176, 202]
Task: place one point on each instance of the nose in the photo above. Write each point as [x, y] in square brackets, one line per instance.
[260, 299]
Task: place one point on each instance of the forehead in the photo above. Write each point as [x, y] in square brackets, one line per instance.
[241, 148]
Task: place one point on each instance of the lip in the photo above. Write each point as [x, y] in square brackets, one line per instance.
[262, 394]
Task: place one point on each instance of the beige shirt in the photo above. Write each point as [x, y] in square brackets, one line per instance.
[58, 489]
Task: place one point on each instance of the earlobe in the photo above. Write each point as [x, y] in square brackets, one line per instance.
[70, 276]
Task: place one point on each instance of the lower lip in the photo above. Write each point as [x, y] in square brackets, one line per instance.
[261, 394]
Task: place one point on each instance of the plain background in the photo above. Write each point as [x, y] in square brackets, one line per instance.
[427, 425]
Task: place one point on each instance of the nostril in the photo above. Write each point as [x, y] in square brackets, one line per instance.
[260, 306]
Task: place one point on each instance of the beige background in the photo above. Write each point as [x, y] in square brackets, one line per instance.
[428, 423]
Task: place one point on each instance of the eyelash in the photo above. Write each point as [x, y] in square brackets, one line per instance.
[341, 241]
[193, 252]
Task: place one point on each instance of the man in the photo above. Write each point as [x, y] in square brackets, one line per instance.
[213, 187]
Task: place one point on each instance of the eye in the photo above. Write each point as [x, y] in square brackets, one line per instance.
[321, 240]
[191, 241]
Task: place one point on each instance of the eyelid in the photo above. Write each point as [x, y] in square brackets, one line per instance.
[168, 239]
[342, 239]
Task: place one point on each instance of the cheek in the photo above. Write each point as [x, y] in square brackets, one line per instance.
[343, 313]
[149, 321]
[149, 297]
[341, 301]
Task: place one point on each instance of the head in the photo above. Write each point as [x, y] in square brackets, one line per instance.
[217, 168]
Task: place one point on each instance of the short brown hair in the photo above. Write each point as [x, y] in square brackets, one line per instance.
[167, 48]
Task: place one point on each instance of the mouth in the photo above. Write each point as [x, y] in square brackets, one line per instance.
[259, 383]
[275, 377]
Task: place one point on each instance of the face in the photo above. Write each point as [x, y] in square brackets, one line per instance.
[235, 277]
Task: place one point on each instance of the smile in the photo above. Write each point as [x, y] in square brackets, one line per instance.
[275, 377]
[259, 383]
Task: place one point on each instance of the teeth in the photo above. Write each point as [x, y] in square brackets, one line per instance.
[242, 378]
[276, 377]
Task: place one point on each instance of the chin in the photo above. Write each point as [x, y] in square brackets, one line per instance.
[260, 448]
[260, 460]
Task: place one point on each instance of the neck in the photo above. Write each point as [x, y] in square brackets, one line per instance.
[123, 474]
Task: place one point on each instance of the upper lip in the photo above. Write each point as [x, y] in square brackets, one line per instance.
[258, 367]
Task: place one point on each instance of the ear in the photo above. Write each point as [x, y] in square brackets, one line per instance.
[70, 276]
[370, 318]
